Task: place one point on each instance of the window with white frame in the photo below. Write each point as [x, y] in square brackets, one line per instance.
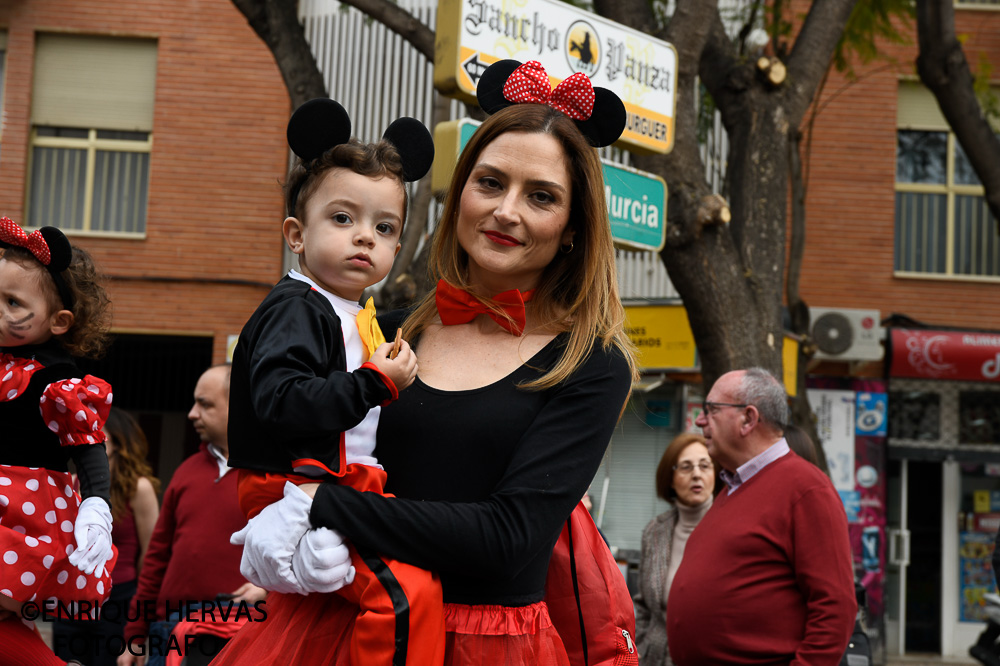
[943, 225]
[91, 133]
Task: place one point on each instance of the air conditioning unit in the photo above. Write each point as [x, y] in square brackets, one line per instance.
[843, 334]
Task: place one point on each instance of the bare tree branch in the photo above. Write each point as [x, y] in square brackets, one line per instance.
[400, 21]
[719, 67]
[276, 22]
[944, 70]
[636, 15]
[814, 46]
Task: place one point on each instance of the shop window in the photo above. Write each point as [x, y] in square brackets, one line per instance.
[915, 415]
[979, 417]
[91, 137]
[943, 225]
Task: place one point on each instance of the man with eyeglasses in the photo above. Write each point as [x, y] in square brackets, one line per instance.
[767, 577]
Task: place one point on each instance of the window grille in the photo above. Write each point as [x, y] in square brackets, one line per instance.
[943, 225]
[91, 136]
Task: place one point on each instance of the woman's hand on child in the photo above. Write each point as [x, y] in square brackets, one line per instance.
[402, 370]
[269, 541]
[322, 562]
[92, 531]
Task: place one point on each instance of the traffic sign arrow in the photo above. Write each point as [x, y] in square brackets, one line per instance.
[474, 68]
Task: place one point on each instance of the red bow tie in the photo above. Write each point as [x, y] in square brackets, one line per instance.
[457, 306]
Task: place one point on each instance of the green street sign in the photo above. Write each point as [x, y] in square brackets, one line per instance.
[637, 207]
[637, 200]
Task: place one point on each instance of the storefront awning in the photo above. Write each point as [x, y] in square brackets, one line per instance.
[947, 355]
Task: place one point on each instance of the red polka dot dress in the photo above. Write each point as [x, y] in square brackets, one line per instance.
[49, 413]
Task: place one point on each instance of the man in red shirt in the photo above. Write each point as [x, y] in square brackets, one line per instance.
[766, 576]
[190, 558]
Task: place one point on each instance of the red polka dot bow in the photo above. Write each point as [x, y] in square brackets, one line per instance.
[12, 234]
[529, 83]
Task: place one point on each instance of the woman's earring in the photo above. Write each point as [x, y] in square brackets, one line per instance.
[566, 249]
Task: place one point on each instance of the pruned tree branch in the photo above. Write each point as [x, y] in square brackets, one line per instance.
[719, 67]
[944, 70]
[276, 22]
[636, 15]
[814, 46]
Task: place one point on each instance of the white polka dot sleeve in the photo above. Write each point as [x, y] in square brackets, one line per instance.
[76, 409]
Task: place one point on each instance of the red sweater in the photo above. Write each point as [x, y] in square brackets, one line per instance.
[189, 556]
[766, 576]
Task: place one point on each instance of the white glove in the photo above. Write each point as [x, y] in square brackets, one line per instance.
[321, 561]
[269, 540]
[92, 531]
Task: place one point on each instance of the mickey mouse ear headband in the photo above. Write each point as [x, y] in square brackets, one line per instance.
[320, 124]
[598, 112]
[48, 245]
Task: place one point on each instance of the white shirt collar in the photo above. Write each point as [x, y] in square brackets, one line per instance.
[219, 458]
[336, 301]
[749, 469]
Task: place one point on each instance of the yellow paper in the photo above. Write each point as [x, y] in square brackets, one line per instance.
[371, 334]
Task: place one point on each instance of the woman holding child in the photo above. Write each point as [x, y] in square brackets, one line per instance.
[524, 369]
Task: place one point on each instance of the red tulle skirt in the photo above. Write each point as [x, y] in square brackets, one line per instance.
[316, 629]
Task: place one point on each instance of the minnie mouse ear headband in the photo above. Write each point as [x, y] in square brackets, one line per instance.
[320, 124]
[48, 245]
[598, 112]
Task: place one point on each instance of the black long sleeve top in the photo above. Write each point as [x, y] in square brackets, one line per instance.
[485, 478]
[291, 398]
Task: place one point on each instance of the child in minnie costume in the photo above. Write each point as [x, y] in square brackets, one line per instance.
[55, 548]
[310, 373]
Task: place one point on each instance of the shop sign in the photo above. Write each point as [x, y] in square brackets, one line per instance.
[986, 501]
[872, 409]
[835, 425]
[636, 200]
[986, 522]
[951, 355]
[642, 70]
[662, 335]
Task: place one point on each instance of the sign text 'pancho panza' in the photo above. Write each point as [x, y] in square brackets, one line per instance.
[642, 70]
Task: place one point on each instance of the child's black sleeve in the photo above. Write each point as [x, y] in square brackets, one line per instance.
[92, 469]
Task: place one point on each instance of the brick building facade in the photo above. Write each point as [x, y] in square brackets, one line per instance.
[212, 243]
[849, 259]
[199, 243]
[896, 223]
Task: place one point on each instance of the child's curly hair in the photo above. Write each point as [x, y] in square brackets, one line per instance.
[88, 336]
[375, 160]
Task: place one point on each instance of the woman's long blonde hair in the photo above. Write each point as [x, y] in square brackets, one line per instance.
[578, 291]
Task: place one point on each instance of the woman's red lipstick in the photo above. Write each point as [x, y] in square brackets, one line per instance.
[501, 239]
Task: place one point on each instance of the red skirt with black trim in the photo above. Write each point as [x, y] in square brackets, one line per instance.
[316, 629]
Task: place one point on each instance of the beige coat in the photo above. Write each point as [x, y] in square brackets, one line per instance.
[650, 606]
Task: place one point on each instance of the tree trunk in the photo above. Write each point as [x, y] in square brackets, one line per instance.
[730, 277]
[276, 22]
[944, 70]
